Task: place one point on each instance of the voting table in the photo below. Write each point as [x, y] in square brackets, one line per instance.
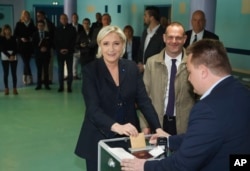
[112, 151]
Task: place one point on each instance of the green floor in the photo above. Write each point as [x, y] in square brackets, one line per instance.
[39, 130]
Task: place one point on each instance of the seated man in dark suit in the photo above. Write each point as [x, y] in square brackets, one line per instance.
[219, 122]
[198, 32]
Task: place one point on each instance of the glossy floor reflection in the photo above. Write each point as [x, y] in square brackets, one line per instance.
[39, 129]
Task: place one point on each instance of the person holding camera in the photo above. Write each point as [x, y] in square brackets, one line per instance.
[82, 43]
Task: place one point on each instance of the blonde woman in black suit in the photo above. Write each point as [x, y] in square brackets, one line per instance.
[24, 31]
[111, 87]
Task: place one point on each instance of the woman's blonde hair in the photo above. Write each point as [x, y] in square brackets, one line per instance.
[107, 30]
[24, 13]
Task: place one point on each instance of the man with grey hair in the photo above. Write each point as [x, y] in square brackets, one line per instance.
[198, 31]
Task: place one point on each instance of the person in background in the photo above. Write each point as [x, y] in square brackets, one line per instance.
[106, 20]
[157, 80]
[24, 31]
[218, 125]
[49, 27]
[118, 80]
[75, 24]
[76, 55]
[65, 38]
[98, 23]
[151, 40]
[198, 31]
[86, 26]
[8, 48]
[132, 44]
[42, 45]
[164, 21]
[82, 43]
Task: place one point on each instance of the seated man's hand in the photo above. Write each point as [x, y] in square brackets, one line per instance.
[132, 164]
[159, 133]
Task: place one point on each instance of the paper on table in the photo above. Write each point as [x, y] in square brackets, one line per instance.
[121, 153]
[156, 151]
[138, 142]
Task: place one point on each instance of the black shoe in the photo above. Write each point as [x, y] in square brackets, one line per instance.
[47, 88]
[60, 90]
[38, 88]
[69, 90]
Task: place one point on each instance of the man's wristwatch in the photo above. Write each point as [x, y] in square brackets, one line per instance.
[163, 141]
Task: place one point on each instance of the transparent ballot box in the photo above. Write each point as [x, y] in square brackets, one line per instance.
[112, 151]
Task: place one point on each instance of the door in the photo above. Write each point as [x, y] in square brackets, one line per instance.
[165, 13]
[6, 15]
[52, 12]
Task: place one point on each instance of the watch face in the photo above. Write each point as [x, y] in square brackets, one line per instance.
[162, 140]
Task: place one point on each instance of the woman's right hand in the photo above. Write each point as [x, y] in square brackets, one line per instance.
[146, 131]
[126, 129]
[140, 67]
[12, 58]
[24, 40]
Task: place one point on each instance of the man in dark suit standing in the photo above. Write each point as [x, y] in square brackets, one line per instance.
[198, 32]
[106, 20]
[219, 123]
[42, 45]
[65, 38]
[75, 24]
[76, 55]
[82, 44]
[152, 37]
[98, 23]
[50, 27]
